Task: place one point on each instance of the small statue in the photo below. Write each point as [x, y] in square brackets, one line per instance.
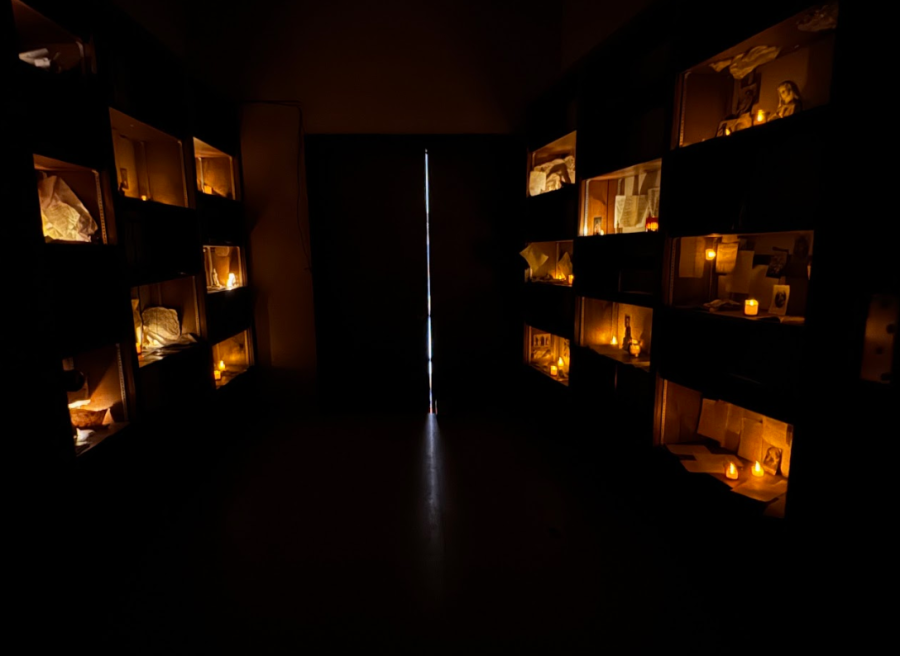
[789, 100]
[626, 341]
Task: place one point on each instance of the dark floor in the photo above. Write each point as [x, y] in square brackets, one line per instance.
[394, 533]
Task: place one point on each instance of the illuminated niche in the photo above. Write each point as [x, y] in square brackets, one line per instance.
[777, 74]
[96, 395]
[623, 202]
[224, 268]
[149, 162]
[231, 358]
[45, 47]
[617, 331]
[748, 451]
[549, 262]
[547, 353]
[215, 171]
[552, 167]
[165, 317]
[71, 202]
[762, 276]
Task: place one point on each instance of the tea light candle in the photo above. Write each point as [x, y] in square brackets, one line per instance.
[731, 472]
[217, 374]
[614, 341]
[221, 365]
[554, 371]
[652, 224]
[710, 254]
[231, 281]
[145, 197]
[727, 131]
[634, 348]
[571, 279]
[751, 307]
[207, 189]
[760, 116]
[757, 470]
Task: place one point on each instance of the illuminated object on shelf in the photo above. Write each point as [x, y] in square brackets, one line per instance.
[710, 254]
[571, 279]
[83, 436]
[731, 472]
[758, 470]
[554, 370]
[760, 116]
[79, 404]
[751, 307]
[634, 348]
[560, 364]
[221, 365]
[231, 281]
[614, 341]
[727, 131]
[652, 224]
[217, 374]
[145, 197]
[137, 347]
[207, 189]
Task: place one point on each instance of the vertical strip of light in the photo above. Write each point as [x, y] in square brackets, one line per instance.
[432, 408]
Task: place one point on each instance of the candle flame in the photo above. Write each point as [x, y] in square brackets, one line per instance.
[727, 132]
[559, 363]
[760, 116]
[757, 469]
[221, 365]
[231, 281]
[710, 253]
[614, 341]
[145, 197]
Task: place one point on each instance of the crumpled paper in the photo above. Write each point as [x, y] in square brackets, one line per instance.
[161, 327]
[534, 257]
[565, 266]
[63, 215]
[820, 19]
[742, 65]
[551, 175]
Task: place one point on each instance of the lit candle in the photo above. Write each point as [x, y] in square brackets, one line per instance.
[634, 348]
[614, 341]
[137, 347]
[710, 254]
[221, 365]
[760, 116]
[145, 197]
[231, 281]
[571, 279]
[554, 371]
[207, 189]
[727, 132]
[217, 374]
[731, 472]
[751, 307]
[652, 224]
[757, 470]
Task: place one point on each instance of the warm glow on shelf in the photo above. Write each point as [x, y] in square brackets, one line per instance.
[614, 341]
[652, 224]
[731, 472]
[221, 365]
[757, 470]
[554, 370]
[217, 374]
[231, 281]
[761, 116]
[145, 197]
[751, 307]
[571, 279]
[79, 404]
[710, 254]
[635, 348]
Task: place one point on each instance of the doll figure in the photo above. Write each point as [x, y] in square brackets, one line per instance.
[789, 100]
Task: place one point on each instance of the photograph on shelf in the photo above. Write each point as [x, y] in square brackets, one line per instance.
[549, 262]
[215, 171]
[547, 353]
[617, 331]
[231, 358]
[44, 46]
[749, 452]
[149, 162]
[71, 202]
[165, 319]
[776, 74]
[96, 395]
[761, 276]
[623, 202]
[553, 166]
[223, 267]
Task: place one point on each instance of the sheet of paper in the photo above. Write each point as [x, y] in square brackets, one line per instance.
[653, 201]
[620, 210]
[715, 462]
[775, 432]
[761, 286]
[692, 258]
[535, 258]
[751, 446]
[687, 449]
[565, 266]
[733, 426]
[740, 283]
[713, 420]
[629, 212]
[763, 489]
[726, 257]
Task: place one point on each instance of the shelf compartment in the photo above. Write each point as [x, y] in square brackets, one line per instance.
[166, 319]
[550, 262]
[149, 162]
[175, 384]
[773, 76]
[708, 434]
[96, 395]
[552, 167]
[627, 268]
[551, 308]
[232, 357]
[548, 353]
[161, 241]
[228, 313]
[623, 202]
[224, 268]
[551, 217]
[215, 171]
[719, 273]
[71, 199]
[618, 331]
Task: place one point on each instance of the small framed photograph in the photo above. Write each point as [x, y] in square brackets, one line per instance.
[781, 294]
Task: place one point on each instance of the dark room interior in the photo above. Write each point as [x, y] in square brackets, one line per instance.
[444, 326]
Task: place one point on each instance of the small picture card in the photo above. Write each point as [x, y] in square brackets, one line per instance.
[780, 296]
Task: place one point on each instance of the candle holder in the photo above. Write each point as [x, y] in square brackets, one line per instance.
[634, 348]
[758, 470]
[731, 472]
[751, 307]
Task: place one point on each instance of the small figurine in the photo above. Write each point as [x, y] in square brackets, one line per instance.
[789, 100]
[627, 340]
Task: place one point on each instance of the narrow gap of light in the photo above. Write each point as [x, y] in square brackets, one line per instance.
[432, 408]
